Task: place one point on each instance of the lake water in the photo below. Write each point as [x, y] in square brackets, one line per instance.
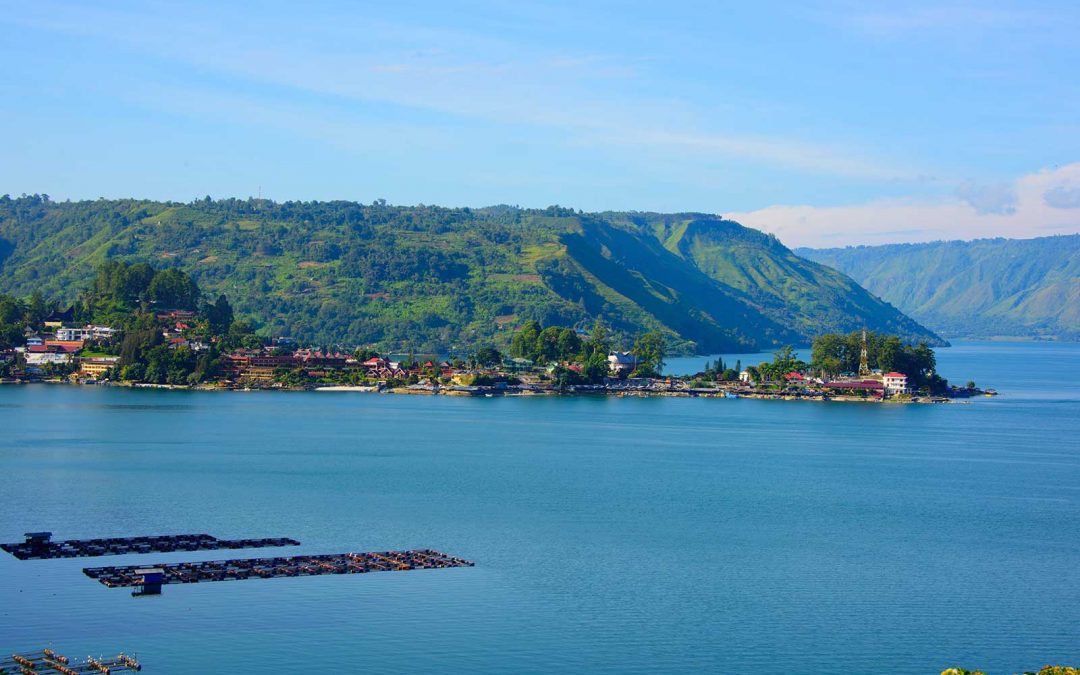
[610, 535]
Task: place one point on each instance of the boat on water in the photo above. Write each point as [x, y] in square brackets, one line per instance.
[728, 394]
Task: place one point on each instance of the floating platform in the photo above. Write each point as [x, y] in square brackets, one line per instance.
[151, 578]
[39, 546]
[48, 661]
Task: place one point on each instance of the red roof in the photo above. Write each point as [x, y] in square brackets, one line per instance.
[794, 376]
[66, 346]
[863, 384]
[895, 374]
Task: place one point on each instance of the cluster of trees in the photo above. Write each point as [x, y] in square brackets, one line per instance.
[784, 361]
[15, 316]
[718, 370]
[128, 296]
[544, 345]
[120, 290]
[563, 345]
[555, 344]
[837, 353]
[146, 357]
[650, 349]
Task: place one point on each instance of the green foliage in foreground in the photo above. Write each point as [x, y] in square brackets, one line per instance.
[430, 279]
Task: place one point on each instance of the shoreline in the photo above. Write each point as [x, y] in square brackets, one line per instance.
[644, 391]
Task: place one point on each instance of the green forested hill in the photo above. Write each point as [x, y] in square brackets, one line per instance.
[974, 288]
[429, 278]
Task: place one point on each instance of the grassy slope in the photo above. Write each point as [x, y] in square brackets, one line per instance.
[982, 287]
[796, 292]
[428, 278]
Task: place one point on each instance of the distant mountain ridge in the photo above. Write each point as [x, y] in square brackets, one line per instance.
[985, 287]
[427, 278]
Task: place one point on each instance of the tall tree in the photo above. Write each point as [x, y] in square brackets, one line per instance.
[220, 315]
[650, 349]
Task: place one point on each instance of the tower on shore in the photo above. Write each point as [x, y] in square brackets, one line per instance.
[864, 357]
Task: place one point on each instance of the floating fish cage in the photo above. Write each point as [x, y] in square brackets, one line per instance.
[48, 661]
[149, 579]
[39, 545]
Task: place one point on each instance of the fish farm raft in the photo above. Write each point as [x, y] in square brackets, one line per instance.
[151, 578]
[39, 545]
[48, 661]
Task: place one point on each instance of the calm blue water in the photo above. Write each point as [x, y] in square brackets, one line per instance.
[611, 535]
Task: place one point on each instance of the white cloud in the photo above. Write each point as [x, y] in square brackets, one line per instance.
[987, 199]
[1033, 209]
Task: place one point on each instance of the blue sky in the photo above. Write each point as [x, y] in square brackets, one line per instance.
[826, 122]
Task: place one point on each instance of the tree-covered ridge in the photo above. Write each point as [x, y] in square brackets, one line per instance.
[975, 288]
[435, 279]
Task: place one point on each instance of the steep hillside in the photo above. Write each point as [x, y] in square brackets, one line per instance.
[798, 293]
[974, 288]
[430, 278]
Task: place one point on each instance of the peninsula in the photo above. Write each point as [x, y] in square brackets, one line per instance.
[140, 326]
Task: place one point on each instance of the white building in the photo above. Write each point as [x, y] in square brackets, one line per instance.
[86, 333]
[71, 334]
[895, 383]
[41, 358]
[622, 362]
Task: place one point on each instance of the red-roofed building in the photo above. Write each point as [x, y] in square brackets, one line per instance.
[795, 378]
[65, 346]
[873, 387]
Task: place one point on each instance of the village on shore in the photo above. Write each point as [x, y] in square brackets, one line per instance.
[80, 355]
[141, 327]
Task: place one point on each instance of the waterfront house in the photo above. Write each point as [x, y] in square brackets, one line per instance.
[894, 383]
[96, 367]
